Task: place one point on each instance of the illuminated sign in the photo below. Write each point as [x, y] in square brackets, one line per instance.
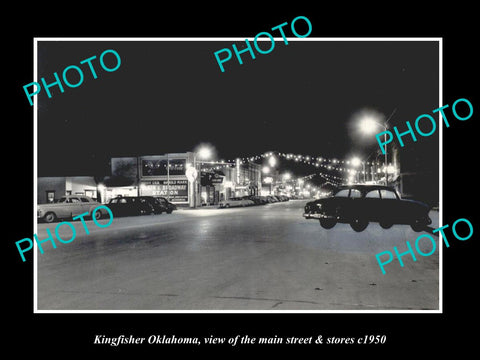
[175, 190]
[162, 167]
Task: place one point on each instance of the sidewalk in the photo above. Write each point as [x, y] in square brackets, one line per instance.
[198, 207]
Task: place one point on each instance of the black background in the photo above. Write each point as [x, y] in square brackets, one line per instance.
[407, 334]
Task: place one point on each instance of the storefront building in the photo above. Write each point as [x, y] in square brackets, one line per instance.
[155, 175]
[178, 178]
[240, 180]
[50, 189]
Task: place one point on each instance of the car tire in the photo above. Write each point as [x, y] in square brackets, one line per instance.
[327, 223]
[359, 224]
[50, 217]
[98, 215]
[418, 225]
[386, 224]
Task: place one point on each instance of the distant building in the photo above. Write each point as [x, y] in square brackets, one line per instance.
[50, 189]
[152, 175]
[166, 176]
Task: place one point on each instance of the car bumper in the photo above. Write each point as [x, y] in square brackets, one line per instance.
[317, 216]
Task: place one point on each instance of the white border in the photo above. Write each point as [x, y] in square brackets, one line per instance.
[35, 173]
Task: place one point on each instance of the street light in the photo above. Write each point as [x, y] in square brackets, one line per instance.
[356, 162]
[367, 125]
[272, 161]
[203, 152]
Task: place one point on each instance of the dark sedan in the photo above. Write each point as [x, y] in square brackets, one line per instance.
[165, 204]
[360, 204]
[130, 205]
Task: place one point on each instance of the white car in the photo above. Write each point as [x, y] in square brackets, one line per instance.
[68, 207]
[235, 202]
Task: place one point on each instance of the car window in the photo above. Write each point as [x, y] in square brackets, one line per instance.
[355, 193]
[342, 193]
[84, 200]
[387, 194]
[374, 194]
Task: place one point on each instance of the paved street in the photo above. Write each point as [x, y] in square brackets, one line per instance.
[256, 258]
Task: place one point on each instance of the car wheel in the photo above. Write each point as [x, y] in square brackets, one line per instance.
[386, 224]
[418, 225]
[98, 215]
[359, 224]
[327, 223]
[50, 217]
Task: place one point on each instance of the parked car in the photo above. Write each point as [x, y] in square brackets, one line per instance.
[262, 200]
[360, 204]
[167, 205]
[235, 202]
[130, 205]
[68, 207]
[257, 200]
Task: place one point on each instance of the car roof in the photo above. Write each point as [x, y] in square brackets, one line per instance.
[365, 187]
[75, 195]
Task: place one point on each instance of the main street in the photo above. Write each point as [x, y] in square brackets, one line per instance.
[257, 258]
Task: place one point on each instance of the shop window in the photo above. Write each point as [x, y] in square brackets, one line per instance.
[91, 193]
[50, 197]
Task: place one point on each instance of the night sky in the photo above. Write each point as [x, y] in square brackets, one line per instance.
[170, 96]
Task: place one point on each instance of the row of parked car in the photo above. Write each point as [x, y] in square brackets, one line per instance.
[70, 206]
[250, 200]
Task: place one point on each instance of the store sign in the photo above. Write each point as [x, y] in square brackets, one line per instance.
[163, 167]
[209, 179]
[217, 179]
[176, 190]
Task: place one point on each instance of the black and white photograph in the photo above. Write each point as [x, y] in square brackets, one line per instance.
[260, 188]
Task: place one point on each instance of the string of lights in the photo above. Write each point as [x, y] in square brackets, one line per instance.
[307, 159]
